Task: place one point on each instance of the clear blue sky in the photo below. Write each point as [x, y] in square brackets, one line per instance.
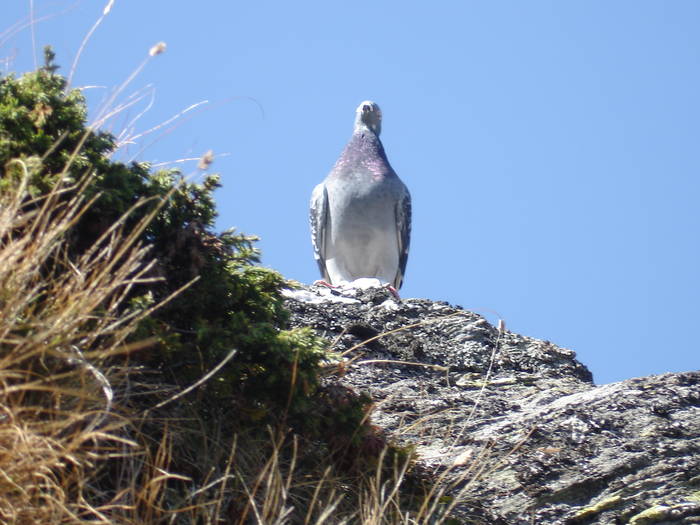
[552, 148]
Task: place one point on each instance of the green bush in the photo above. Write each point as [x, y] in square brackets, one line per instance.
[231, 305]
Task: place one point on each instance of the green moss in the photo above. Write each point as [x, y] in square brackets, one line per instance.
[650, 515]
[592, 510]
[695, 496]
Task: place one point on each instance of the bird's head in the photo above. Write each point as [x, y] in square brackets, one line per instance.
[368, 115]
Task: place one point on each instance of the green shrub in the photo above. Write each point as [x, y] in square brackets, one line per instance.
[231, 305]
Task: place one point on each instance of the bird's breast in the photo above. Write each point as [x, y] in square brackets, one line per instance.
[362, 189]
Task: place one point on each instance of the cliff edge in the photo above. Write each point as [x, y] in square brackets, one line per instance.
[513, 427]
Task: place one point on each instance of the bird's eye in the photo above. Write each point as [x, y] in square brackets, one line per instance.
[366, 107]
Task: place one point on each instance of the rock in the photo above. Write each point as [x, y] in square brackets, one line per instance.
[513, 427]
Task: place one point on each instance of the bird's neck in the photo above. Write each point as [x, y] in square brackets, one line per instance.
[367, 143]
[364, 152]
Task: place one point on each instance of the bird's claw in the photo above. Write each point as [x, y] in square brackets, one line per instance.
[321, 282]
[393, 291]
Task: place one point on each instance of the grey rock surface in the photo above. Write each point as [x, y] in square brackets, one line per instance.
[513, 426]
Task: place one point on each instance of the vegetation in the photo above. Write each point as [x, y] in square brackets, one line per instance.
[147, 373]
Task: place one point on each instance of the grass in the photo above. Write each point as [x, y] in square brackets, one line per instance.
[59, 321]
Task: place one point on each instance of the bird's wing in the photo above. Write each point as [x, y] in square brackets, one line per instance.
[403, 230]
[318, 217]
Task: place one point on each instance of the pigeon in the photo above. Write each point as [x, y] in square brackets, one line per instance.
[361, 213]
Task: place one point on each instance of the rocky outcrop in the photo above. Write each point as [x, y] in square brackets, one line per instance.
[513, 427]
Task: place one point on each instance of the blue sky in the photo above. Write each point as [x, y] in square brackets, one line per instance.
[551, 148]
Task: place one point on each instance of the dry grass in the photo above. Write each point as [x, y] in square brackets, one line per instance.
[60, 321]
[283, 492]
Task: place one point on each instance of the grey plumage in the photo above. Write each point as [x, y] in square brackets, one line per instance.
[361, 213]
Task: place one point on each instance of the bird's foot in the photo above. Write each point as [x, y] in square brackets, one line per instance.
[321, 282]
[393, 291]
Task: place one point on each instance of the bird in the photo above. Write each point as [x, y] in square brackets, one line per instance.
[360, 214]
